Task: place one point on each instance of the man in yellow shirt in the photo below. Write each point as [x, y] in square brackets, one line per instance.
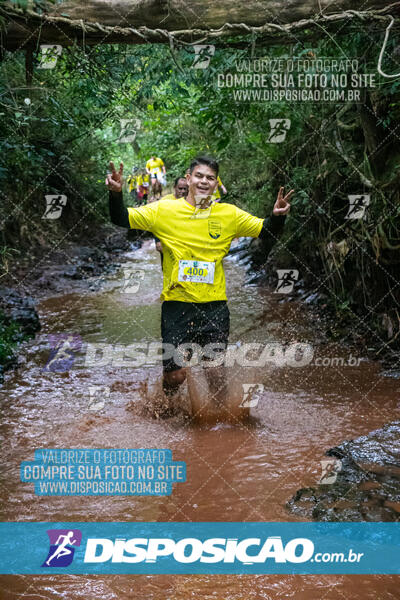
[143, 186]
[181, 190]
[132, 182]
[196, 234]
[155, 168]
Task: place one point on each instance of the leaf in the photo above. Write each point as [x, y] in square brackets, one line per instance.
[21, 3]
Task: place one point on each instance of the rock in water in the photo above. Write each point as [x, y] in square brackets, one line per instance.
[20, 309]
[18, 320]
[366, 486]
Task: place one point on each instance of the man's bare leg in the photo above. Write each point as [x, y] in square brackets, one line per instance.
[218, 383]
[172, 380]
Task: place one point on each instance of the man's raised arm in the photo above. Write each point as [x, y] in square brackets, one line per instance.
[118, 213]
[273, 225]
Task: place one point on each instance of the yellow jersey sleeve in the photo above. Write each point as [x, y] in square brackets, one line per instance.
[143, 217]
[247, 225]
[217, 193]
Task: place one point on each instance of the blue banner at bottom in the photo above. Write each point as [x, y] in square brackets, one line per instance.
[195, 548]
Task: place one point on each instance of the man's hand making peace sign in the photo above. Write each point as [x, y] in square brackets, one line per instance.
[282, 206]
[114, 180]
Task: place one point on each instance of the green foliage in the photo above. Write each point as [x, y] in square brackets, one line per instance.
[10, 336]
[61, 140]
[36, 5]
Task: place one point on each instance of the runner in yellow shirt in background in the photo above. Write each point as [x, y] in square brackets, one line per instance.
[143, 186]
[155, 168]
[132, 183]
[217, 193]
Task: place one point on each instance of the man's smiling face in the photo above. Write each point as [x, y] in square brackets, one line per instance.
[202, 181]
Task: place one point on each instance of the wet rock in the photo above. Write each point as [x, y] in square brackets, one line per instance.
[393, 505]
[18, 320]
[116, 241]
[254, 278]
[311, 299]
[395, 374]
[70, 268]
[241, 246]
[20, 309]
[380, 447]
[367, 487]
[71, 271]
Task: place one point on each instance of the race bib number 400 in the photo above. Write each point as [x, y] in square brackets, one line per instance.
[196, 271]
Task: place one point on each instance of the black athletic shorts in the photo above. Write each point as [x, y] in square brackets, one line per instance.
[196, 323]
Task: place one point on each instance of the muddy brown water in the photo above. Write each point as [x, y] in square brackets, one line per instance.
[235, 472]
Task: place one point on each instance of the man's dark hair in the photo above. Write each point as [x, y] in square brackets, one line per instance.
[178, 178]
[204, 160]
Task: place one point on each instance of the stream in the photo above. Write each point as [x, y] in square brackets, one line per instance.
[235, 471]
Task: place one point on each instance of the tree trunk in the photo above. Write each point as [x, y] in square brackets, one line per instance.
[142, 21]
[378, 142]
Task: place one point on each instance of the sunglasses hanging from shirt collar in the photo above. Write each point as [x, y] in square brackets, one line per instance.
[203, 207]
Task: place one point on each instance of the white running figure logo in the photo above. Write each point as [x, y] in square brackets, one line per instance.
[62, 351]
[62, 550]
